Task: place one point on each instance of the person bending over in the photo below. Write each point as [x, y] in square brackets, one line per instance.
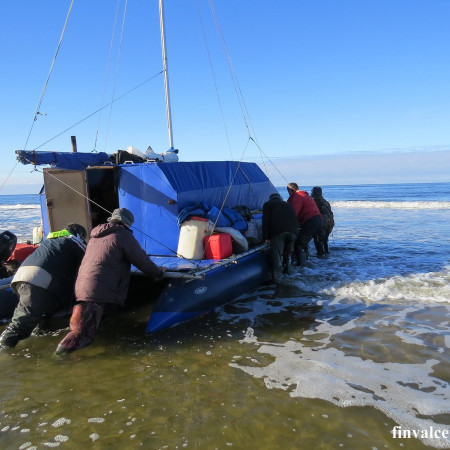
[45, 281]
[104, 277]
[321, 239]
[279, 224]
[309, 220]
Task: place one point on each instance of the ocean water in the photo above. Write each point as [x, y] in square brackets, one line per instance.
[352, 351]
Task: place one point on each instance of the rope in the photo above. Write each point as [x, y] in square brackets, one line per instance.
[238, 165]
[230, 64]
[117, 71]
[239, 94]
[214, 80]
[107, 73]
[8, 176]
[15, 212]
[268, 159]
[100, 109]
[49, 74]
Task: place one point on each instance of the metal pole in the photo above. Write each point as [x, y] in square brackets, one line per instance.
[74, 143]
[166, 74]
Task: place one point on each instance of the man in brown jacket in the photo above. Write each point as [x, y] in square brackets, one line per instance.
[104, 276]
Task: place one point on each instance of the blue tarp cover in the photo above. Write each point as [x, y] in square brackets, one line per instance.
[61, 160]
[156, 193]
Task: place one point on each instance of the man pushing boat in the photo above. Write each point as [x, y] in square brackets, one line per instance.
[104, 277]
[44, 282]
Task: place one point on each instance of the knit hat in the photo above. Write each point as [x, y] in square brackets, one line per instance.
[122, 215]
[275, 195]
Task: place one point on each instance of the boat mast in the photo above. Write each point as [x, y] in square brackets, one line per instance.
[166, 74]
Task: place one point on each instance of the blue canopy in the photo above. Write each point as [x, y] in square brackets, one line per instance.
[61, 160]
[156, 193]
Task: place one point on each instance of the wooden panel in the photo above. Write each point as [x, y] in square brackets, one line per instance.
[66, 195]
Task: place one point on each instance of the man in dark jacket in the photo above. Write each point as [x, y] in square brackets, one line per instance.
[279, 225]
[45, 281]
[321, 238]
[104, 276]
[309, 220]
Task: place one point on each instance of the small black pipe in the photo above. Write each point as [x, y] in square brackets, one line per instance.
[74, 143]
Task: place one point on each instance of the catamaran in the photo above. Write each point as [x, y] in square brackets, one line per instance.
[178, 208]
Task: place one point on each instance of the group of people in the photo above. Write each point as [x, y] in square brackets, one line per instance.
[63, 269]
[289, 226]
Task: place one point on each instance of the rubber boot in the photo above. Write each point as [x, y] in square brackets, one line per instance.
[277, 277]
[306, 250]
[9, 339]
[287, 267]
[300, 257]
[319, 247]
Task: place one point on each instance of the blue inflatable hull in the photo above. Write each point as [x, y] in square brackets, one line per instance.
[183, 300]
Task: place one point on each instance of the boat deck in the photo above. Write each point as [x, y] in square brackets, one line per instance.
[175, 265]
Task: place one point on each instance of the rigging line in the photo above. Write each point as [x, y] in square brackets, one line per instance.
[8, 176]
[15, 212]
[230, 65]
[238, 90]
[232, 73]
[49, 74]
[100, 109]
[107, 72]
[239, 94]
[109, 212]
[262, 156]
[117, 71]
[238, 165]
[214, 80]
[268, 159]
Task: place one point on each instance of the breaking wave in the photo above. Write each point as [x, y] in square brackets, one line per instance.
[19, 206]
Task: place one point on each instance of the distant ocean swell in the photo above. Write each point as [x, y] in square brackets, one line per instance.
[393, 205]
[337, 204]
[19, 206]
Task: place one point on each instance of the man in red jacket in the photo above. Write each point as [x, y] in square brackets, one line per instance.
[104, 276]
[309, 220]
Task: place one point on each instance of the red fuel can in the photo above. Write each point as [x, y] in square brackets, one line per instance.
[218, 246]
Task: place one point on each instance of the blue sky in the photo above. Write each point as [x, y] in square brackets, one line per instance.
[335, 91]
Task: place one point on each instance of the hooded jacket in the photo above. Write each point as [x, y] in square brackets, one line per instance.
[324, 208]
[278, 217]
[104, 274]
